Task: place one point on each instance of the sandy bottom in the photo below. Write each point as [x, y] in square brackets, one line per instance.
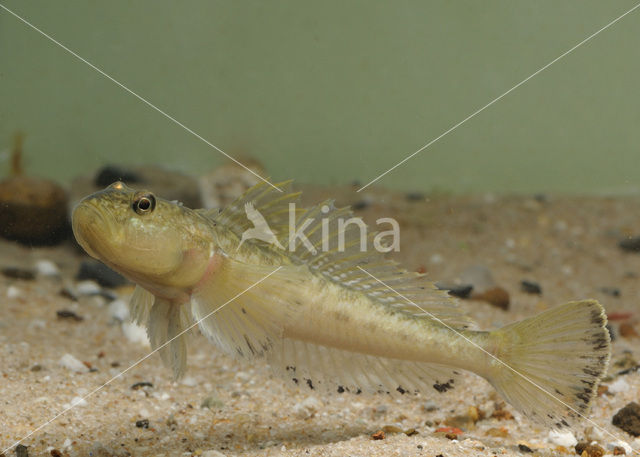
[567, 245]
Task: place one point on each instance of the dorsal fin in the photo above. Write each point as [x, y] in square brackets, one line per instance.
[269, 202]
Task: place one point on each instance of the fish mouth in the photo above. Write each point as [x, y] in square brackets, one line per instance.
[91, 227]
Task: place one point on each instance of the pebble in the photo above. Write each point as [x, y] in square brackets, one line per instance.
[68, 314]
[189, 381]
[585, 449]
[496, 296]
[141, 384]
[627, 330]
[524, 448]
[456, 290]
[88, 287]
[135, 333]
[18, 273]
[46, 267]
[631, 244]
[70, 362]
[22, 451]
[212, 402]
[78, 401]
[628, 419]
[530, 287]
[618, 386]
[429, 406]
[142, 423]
[612, 291]
[119, 310]
[619, 444]
[562, 438]
[99, 272]
[13, 292]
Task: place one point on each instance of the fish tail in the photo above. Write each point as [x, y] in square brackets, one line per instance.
[166, 323]
[553, 362]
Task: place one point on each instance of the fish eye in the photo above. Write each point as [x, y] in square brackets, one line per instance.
[144, 203]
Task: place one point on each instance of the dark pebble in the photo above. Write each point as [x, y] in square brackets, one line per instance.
[628, 419]
[530, 287]
[613, 291]
[18, 273]
[456, 290]
[143, 423]
[414, 196]
[140, 385]
[68, 314]
[631, 244]
[22, 451]
[99, 272]
[524, 448]
[111, 173]
[56, 453]
[360, 205]
[612, 334]
[68, 293]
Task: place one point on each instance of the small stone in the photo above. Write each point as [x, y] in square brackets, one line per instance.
[628, 331]
[524, 448]
[68, 314]
[502, 414]
[22, 451]
[628, 419]
[631, 244]
[88, 287]
[562, 438]
[55, 453]
[142, 423]
[496, 296]
[47, 268]
[141, 384]
[119, 310]
[619, 448]
[530, 287]
[189, 381]
[99, 272]
[410, 432]
[612, 291]
[70, 362]
[429, 406]
[379, 435]
[456, 290]
[13, 292]
[391, 429]
[585, 449]
[618, 386]
[497, 432]
[414, 196]
[18, 273]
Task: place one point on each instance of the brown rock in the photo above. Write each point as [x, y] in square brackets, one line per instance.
[628, 419]
[585, 449]
[628, 331]
[379, 435]
[619, 451]
[495, 296]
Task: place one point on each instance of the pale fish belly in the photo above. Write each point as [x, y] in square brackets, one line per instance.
[329, 316]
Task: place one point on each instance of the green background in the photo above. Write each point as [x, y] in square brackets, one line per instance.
[331, 92]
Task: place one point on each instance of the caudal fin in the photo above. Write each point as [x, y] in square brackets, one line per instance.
[555, 362]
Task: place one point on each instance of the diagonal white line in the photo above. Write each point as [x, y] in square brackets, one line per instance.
[451, 129]
[74, 404]
[493, 356]
[139, 97]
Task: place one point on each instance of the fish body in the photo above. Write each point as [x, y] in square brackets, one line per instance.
[324, 312]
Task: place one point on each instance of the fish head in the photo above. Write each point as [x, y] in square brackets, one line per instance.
[154, 242]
